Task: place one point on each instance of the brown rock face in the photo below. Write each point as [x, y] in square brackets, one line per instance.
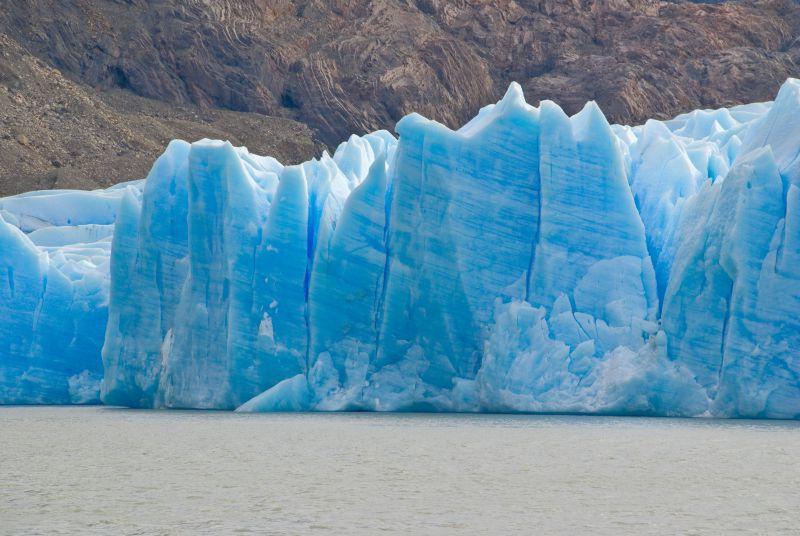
[342, 66]
[55, 133]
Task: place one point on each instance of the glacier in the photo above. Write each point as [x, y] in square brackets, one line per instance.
[526, 262]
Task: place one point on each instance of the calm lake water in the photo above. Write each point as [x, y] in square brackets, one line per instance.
[68, 470]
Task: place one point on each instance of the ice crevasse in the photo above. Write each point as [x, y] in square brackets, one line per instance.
[527, 262]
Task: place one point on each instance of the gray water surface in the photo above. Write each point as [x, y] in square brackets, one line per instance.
[70, 470]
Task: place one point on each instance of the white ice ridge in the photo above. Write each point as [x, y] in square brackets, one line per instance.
[527, 262]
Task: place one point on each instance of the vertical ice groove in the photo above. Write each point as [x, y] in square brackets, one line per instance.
[380, 169]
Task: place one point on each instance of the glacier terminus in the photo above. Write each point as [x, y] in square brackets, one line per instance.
[526, 262]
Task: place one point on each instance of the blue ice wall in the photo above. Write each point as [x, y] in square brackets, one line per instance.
[527, 262]
[535, 262]
[211, 277]
[732, 302]
[54, 279]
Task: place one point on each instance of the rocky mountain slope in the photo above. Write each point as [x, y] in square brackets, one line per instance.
[342, 66]
[56, 133]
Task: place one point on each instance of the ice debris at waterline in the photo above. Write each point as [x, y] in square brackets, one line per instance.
[527, 262]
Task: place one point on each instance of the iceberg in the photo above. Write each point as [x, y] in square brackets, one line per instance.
[526, 262]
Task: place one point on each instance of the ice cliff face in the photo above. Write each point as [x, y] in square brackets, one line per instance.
[54, 277]
[212, 274]
[529, 261]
